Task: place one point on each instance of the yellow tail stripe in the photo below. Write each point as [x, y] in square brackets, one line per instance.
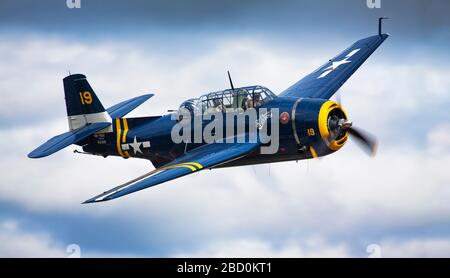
[125, 130]
[119, 148]
[124, 136]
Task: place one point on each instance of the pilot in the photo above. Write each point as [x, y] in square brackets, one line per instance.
[220, 108]
[258, 101]
[242, 101]
[248, 103]
[243, 105]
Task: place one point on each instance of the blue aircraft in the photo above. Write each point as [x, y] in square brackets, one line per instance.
[310, 125]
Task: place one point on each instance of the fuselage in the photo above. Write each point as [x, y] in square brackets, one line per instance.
[301, 127]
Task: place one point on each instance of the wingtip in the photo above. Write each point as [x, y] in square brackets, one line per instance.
[89, 201]
[34, 154]
[97, 199]
[93, 200]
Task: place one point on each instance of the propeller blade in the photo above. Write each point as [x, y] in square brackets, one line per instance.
[367, 141]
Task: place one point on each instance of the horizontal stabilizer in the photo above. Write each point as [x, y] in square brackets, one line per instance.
[121, 109]
[61, 141]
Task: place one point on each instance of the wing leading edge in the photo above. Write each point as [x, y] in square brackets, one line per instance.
[121, 109]
[204, 157]
[326, 80]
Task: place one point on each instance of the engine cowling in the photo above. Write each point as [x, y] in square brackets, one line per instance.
[319, 126]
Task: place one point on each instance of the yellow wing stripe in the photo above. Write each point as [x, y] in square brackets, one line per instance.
[194, 166]
[185, 166]
[119, 131]
[198, 165]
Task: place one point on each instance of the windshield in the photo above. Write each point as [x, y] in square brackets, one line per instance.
[237, 100]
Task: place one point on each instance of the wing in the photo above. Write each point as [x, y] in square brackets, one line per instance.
[61, 141]
[326, 80]
[204, 157]
[121, 109]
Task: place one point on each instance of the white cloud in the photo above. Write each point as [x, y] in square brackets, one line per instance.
[248, 248]
[318, 248]
[341, 194]
[439, 139]
[19, 243]
[416, 248]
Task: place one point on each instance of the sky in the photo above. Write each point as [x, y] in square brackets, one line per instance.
[344, 205]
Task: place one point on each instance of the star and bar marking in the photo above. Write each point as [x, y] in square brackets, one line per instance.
[122, 146]
[335, 64]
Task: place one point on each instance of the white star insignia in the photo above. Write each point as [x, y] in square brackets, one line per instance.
[136, 146]
[335, 64]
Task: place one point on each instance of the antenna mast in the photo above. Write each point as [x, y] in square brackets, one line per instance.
[380, 21]
[231, 81]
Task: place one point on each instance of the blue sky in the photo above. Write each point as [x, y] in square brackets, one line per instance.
[179, 49]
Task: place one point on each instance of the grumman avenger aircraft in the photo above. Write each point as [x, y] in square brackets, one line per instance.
[308, 125]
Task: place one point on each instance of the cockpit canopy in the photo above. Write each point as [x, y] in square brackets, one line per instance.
[237, 100]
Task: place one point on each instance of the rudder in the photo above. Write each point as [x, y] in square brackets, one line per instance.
[82, 104]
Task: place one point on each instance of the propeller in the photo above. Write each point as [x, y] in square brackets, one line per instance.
[365, 140]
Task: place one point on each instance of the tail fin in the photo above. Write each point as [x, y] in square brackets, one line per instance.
[83, 106]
